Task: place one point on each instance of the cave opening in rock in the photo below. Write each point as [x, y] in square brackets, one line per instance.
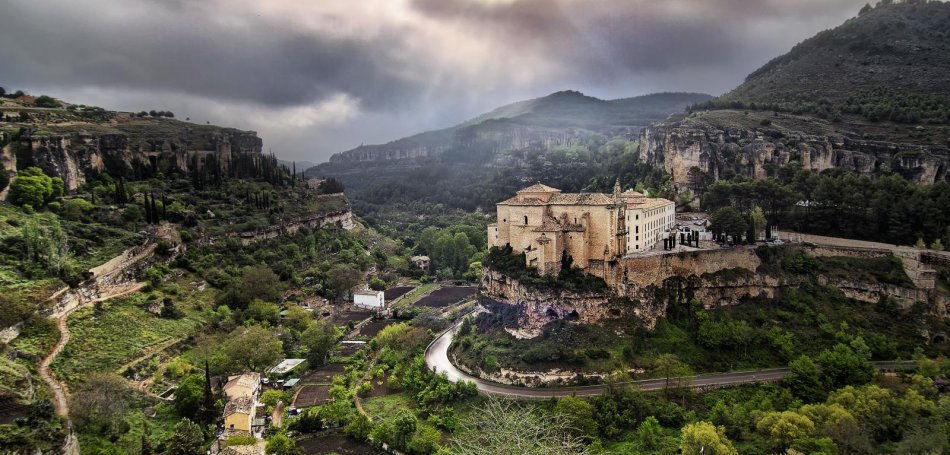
[551, 313]
[572, 316]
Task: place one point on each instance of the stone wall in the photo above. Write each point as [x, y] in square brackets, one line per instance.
[290, 227]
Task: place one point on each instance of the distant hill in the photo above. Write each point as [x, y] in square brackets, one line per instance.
[562, 118]
[893, 58]
[566, 139]
[871, 96]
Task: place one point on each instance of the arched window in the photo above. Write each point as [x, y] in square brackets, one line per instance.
[526, 219]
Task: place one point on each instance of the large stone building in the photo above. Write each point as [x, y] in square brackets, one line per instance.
[592, 228]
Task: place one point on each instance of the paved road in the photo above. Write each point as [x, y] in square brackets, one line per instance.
[438, 360]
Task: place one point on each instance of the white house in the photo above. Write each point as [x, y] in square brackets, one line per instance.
[373, 300]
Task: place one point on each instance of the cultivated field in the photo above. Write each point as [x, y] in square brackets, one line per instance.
[443, 297]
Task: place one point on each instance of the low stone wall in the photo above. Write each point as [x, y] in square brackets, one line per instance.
[116, 276]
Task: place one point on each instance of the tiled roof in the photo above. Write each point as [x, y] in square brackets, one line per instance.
[515, 201]
[242, 386]
[241, 450]
[581, 199]
[539, 188]
[243, 405]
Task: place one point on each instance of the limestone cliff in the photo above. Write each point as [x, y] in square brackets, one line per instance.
[699, 148]
[645, 287]
[122, 145]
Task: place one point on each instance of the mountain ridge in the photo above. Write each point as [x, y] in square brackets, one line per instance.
[536, 120]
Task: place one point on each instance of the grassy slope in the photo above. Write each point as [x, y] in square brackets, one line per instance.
[103, 341]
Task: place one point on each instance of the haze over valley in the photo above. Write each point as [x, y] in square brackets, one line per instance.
[475, 227]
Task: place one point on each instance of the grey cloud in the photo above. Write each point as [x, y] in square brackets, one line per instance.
[161, 46]
[214, 60]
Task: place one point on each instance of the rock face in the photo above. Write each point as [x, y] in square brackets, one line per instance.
[72, 156]
[713, 146]
[645, 287]
[539, 306]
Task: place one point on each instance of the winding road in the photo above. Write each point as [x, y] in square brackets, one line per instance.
[437, 359]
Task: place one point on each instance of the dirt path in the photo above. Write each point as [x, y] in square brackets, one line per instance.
[58, 388]
[60, 393]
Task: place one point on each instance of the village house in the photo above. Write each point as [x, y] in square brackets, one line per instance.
[591, 228]
[421, 262]
[372, 300]
[239, 415]
[240, 410]
[244, 385]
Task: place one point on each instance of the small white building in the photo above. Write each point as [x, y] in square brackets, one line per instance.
[373, 300]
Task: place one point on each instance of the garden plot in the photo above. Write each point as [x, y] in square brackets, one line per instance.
[312, 395]
[446, 296]
[322, 375]
[349, 317]
[338, 443]
[372, 328]
[394, 293]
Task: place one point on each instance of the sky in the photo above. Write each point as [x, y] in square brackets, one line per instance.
[316, 77]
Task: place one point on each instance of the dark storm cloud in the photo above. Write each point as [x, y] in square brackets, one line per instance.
[603, 41]
[183, 47]
[317, 77]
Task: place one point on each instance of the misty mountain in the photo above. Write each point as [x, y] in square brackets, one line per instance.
[869, 97]
[565, 139]
[561, 119]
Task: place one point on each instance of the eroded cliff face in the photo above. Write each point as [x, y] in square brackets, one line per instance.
[73, 156]
[540, 306]
[645, 287]
[726, 144]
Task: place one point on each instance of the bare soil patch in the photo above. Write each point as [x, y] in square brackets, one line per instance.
[372, 328]
[348, 317]
[322, 375]
[312, 395]
[336, 443]
[446, 296]
[397, 292]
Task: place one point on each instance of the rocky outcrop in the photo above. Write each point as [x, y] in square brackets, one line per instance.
[73, 156]
[342, 218]
[540, 306]
[645, 287]
[719, 149]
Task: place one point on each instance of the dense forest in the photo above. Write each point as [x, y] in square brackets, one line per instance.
[890, 209]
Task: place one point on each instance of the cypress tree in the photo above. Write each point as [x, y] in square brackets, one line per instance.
[208, 405]
[148, 211]
[146, 446]
[154, 210]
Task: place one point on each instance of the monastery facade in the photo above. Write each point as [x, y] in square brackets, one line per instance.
[592, 228]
